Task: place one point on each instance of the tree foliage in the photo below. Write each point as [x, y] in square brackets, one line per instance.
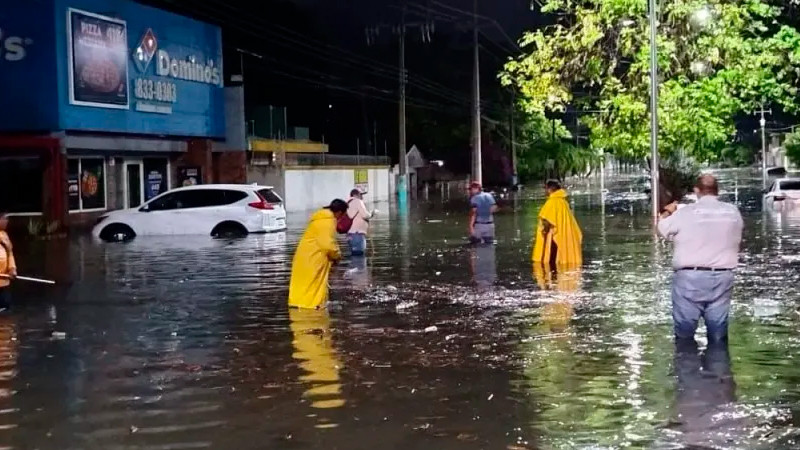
[729, 59]
[543, 151]
[792, 146]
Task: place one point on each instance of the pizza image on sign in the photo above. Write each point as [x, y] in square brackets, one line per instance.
[89, 184]
[102, 76]
[98, 60]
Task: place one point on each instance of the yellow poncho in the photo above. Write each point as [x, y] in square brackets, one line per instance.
[313, 260]
[565, 232]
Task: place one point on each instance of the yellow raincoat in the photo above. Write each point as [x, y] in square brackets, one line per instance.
[565, 232]
[314, 352]
[7, 262]
[315, 255]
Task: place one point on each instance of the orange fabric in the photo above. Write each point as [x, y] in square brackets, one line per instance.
[7, 262]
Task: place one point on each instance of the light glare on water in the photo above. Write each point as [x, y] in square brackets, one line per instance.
[186, 342]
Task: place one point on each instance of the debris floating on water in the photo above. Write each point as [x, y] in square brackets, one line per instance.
[431, 329]
[58, 335]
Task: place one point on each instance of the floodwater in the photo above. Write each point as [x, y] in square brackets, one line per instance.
[186, 343]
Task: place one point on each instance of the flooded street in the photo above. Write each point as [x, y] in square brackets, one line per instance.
[186, 342]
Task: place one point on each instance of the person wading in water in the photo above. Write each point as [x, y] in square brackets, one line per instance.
[8, 266]
[558, 237]
[315, 255]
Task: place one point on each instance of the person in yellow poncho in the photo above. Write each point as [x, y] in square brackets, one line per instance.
[316, 252]
[558, 237]
[8, 266]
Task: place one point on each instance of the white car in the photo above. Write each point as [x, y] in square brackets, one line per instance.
[209, 209]
[783, 193]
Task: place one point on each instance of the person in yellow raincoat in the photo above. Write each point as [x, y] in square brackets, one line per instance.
[314, 257]
[558, 237]
[8, 266]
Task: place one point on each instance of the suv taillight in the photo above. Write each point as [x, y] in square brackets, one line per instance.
[262, 203]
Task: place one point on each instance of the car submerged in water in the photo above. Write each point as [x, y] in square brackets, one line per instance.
[784, 193]
[218, 210]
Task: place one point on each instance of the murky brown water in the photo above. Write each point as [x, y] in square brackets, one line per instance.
[185, 343]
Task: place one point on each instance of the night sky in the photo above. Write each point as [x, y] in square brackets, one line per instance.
[314, 60]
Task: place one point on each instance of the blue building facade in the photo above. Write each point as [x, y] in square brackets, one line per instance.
[130, 97]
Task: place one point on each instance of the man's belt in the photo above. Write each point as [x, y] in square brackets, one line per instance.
[484, 223]
[704, 269]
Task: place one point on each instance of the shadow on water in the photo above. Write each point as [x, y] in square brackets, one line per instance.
[186, 342]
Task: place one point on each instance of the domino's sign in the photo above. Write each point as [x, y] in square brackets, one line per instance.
[13, 47]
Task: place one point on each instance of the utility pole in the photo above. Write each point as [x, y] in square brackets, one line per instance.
[763, 123]
[477, 174]
[654, 163]
[426, 29]
[514, 173]
[402, 188]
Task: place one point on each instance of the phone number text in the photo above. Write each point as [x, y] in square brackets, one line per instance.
[160, 91]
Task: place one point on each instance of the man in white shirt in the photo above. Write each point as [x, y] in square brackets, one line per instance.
[706, 236]
[357, 211]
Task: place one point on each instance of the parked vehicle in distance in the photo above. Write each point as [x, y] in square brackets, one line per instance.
[218, 210]
[776, 171]
[783, 192]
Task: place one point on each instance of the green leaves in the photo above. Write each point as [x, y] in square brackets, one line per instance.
[792, 146]
[601, 47]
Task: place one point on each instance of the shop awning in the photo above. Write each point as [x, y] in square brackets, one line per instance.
[124, 144]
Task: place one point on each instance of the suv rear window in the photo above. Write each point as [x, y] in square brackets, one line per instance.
[790, 185]
[270, 196]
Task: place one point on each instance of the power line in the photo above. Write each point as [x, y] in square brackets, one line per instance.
[414, 80]
[480, 16]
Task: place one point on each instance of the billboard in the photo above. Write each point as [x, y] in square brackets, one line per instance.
[109, 66]
[98, 60]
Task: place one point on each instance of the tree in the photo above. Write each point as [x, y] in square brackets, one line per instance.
[542, 150]
[792, 146]
[716, 59]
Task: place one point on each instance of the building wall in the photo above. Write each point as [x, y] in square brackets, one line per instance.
[229, 167]
[267, 176]
[311, 188]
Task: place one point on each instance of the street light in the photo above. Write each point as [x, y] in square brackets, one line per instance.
[654, 164]
[698, 20]
[701, 18]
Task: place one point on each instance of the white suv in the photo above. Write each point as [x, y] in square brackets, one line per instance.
[210, 209]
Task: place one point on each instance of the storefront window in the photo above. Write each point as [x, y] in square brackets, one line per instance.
[86, 180]
[22, 181]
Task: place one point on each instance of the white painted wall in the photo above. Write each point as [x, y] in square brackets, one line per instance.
[308, 189]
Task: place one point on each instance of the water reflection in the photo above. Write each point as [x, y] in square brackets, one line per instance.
[185, 342]
[563, 280]
[705, 395]
[315, 354]
[8, 375]
[483, 265]
[359, 274]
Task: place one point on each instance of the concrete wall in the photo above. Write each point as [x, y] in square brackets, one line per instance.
[267, 176]
[310, 188]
